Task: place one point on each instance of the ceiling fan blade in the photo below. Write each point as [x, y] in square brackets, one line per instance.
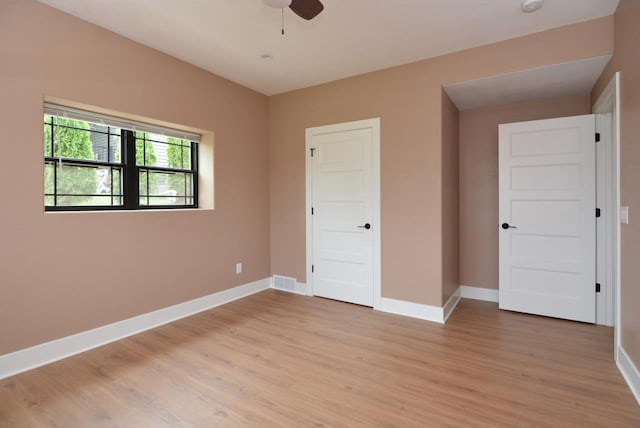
[306, 9]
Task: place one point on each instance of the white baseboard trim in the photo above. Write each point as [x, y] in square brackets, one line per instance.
[451, 304]
[420, 311]
[477, 293]
[301, 288]
[629, 372]
[45, 353]
[410, 309]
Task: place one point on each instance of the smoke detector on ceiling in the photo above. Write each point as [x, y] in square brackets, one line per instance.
[531, 5]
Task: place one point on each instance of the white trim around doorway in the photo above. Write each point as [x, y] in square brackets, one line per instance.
[607, 110]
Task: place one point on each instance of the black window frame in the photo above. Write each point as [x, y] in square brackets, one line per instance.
[130, 174]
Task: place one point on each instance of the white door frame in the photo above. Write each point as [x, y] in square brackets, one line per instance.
[374, 125]
[608, 312]
[605, 308]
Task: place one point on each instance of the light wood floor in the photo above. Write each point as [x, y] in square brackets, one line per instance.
[277, 359]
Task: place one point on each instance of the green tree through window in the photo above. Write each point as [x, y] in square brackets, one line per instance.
[145, 156]
[70, 139]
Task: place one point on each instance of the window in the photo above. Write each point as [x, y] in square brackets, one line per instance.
[97, 162]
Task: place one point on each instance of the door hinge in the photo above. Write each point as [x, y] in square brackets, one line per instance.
[598, 213]
[312, 268]
[597, 137]
[312, 149]
[597, 287]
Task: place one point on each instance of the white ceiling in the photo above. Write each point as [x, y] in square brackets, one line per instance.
[349, 37]
[569, 78]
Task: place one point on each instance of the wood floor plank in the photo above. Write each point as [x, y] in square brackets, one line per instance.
[278, 359]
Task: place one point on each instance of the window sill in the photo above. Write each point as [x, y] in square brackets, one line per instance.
[150, 210]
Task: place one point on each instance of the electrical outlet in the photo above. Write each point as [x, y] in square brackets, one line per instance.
[238, 268]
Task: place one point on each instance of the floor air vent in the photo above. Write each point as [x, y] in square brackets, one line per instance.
[284, 283]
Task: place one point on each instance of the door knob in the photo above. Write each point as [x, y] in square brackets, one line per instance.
[365, 226]
[507, 226]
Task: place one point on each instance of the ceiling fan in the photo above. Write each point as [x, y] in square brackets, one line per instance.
[306, 9]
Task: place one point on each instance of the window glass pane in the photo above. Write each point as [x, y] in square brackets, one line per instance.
[81, 201]
[140, 153]
[178, 153]
[106, 143]
[178, 184]
[49, 184]
[161, 151]
[100, 143]
[143, 183]
[165, 188]
[115, 147]
[145, 150]
[74, 139]
[116, 179]
[71, 139]
[75, 184]
[165, 200]
[83, 186]
[109, 181]
[48, 147]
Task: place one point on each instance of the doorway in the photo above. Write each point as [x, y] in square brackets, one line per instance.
[606, 110]
[343, 211]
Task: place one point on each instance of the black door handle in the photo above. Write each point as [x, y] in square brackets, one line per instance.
[507, 226]
[366, 226]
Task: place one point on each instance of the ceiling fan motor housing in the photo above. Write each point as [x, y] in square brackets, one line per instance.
[306, 9]
[280, 4]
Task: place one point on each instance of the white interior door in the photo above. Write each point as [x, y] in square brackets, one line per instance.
[547, 217]
[344, 221]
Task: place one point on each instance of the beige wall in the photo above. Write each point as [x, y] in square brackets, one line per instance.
[479, 179]
[408, 99]
[48, 262]
[627, 60]
[62, 273]
[450, 196]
